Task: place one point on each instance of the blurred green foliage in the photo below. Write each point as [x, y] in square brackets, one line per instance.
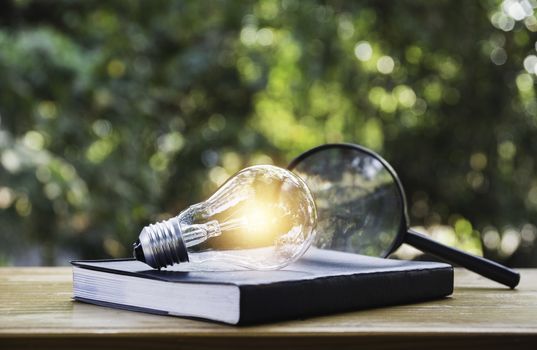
[115, 114]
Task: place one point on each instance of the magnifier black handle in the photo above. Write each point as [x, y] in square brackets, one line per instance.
[482, 266]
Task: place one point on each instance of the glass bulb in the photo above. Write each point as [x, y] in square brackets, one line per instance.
[263, 218]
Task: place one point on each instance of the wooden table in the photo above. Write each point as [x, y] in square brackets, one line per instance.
[36, 311]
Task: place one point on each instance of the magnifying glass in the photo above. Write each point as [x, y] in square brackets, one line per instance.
[362, 208]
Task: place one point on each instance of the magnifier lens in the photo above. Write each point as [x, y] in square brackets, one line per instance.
[361, 209]
[359, 205]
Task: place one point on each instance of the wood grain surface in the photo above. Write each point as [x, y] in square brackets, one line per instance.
[36, 311]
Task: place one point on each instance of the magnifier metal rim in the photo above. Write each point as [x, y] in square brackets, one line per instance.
[403, 225]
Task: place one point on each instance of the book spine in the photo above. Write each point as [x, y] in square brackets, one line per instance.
[300, 299]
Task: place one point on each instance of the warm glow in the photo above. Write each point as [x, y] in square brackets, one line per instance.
[260, 218]
[256, 219]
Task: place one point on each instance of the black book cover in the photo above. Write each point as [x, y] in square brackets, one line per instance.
[322, 282]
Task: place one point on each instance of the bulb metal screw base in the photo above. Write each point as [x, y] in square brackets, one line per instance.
[161, 244]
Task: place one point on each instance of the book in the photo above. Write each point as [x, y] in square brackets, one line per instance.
[321, 282]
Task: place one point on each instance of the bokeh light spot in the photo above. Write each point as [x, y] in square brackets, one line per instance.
[23, 206]
[529, 63]
[524, 82]
[218, 175]
[265, 37]
[491, 238]
[478, 161]
[510, 242]
[115, 68]
[34, 140]
[6, 197]
[10, 160]
[517, 9]
[498, 56]
[47, 109]
[363, 51]
[385, 65]
[507, 150]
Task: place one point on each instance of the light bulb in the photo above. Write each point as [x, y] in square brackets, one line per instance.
[262, 218]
